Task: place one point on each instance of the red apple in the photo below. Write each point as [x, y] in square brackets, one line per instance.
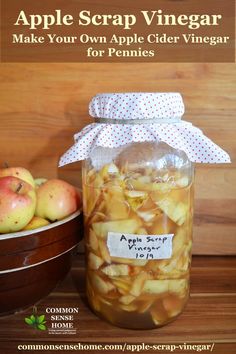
[56, 199]
[19, 172]
[17, 204]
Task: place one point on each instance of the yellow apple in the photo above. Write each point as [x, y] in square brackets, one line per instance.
[39, 181]
[35, 223]
[19, 172]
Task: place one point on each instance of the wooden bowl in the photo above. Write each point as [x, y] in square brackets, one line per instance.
[33, 262]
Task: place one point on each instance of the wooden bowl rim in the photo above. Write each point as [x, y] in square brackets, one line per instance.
[40, 229]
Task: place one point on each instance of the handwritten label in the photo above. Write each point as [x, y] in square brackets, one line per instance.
[139, 246]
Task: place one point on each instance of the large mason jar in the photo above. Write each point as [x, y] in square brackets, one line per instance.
[138, 205]
[138, 213]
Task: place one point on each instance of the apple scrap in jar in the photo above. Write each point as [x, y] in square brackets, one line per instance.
[132, 291]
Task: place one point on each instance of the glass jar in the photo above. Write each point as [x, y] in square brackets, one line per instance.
[138, 204]
[138, 211]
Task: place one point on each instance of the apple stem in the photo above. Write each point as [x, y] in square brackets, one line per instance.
[5, 165]
[19, 187]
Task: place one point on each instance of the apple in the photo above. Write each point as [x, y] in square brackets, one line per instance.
[39, 181]
[17, 204]
[35, 223]
[56, 199]
[19, 172]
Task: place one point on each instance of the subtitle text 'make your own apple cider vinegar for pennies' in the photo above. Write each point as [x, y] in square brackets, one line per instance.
[138, 205]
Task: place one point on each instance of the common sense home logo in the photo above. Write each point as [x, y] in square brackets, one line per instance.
[60, 320]
[36, 321]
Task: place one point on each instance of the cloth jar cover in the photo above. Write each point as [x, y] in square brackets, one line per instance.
[122, 118]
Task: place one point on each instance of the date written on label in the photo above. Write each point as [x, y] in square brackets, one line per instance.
[140, 246]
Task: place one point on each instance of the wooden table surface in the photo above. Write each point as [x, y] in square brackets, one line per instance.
[210, 316]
